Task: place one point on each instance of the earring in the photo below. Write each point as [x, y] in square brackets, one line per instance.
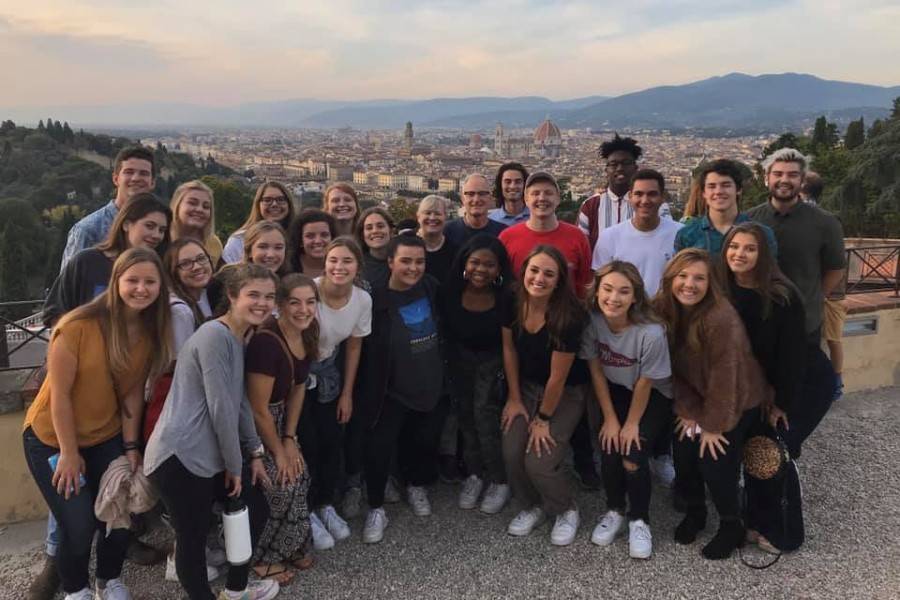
[465, 275]
[499, 281]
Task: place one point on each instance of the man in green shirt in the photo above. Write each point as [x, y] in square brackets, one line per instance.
[810, 240]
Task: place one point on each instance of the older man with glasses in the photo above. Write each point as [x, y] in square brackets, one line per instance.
[476, 201]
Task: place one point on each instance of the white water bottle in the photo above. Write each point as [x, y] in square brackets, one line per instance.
[236, 521]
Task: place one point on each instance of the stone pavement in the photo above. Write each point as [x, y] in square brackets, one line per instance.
[851, 484]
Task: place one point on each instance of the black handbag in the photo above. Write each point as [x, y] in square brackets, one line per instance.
[773, 503]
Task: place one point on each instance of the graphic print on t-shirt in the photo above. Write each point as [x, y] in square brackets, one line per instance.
[420, 324]
[610, 358]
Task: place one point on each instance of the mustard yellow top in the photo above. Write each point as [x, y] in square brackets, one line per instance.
[95, 403]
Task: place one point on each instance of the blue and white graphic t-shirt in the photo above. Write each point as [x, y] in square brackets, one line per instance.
[416, 366]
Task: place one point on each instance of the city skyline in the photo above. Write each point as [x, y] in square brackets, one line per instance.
[98, 51]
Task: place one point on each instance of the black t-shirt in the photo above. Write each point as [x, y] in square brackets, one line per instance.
[535, 350]
[266, 355]
[437, 263]
[459, 233]
[416, 368]
[475, 331]
[84, 277]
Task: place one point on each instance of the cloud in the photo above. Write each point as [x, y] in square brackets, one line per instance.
[232, 51]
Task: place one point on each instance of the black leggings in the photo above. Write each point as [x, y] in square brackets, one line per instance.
[720, 476]
[321, 437]
[617, 480]
[414, 434]
[189, 500]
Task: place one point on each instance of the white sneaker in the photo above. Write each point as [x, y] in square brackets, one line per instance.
[84, 594]
[335, 525]
[663, 470]
[640, 542]
[525, 522]
[471, 490]
[391, 493]
[115, 590]
[322, 540]
[351, 502]
[261, 589]
[376, 522]
[608, 527]
[212, 572]
[565, 528]
[495, 498]
[417, 497]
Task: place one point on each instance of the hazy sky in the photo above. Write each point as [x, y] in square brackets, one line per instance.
[231, 51]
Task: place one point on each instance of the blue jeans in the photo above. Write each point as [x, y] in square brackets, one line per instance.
[76, 523]
[52, 540]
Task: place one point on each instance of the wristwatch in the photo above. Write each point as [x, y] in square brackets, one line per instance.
[258, 452]
[543, 417]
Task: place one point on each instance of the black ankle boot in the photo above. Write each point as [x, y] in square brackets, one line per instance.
[730, 537]
[690, 526]
[45, 584]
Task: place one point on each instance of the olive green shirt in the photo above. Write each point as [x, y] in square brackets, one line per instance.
[810, 243]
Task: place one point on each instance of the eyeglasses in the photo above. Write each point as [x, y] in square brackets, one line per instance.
[269, 200]
[615, 164]
[188, 263]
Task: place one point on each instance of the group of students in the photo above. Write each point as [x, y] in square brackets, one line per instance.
[317, 355]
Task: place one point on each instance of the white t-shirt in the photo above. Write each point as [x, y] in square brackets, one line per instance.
[234, 248]
[641, 350]
[649, 251]
[354, 319]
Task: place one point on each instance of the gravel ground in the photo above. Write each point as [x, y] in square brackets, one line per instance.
[851, 506]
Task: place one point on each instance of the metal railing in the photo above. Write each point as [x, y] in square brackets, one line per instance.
[18, 333]
[873, 268]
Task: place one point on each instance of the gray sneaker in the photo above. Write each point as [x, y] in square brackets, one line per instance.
[471, 490]
[495, 498]
[391, 493]
[351, 502]
[376, 522]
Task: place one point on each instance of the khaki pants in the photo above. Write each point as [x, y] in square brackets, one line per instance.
[543, 481]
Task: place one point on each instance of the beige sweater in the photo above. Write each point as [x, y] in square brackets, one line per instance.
[715, 385]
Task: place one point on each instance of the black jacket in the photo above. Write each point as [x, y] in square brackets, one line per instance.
[779, 342]
[375, 363]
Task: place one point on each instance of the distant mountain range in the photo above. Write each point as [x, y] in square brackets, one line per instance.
[735, 101]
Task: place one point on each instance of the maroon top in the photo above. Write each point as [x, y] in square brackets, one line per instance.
[266, 355]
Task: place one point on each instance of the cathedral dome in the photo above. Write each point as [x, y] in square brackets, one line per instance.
[546, 132]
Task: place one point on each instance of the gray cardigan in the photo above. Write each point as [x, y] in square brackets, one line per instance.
[207, 416]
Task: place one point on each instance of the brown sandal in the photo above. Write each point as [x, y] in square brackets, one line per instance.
[276, 572]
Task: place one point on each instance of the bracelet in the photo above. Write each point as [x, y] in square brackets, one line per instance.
[131, 446]
[544, 416]
[289, 437]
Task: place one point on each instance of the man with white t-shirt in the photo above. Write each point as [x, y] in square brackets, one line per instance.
[646, 240]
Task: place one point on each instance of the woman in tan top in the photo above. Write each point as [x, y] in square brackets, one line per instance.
[99, 358]
[718, 386]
